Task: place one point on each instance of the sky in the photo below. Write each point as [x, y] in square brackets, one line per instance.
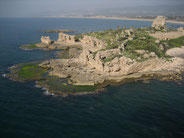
[44, 8]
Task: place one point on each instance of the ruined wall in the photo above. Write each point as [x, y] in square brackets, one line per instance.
[181, 29]
[46, 40]
[159, 22]
[92, 42]
[65, 38]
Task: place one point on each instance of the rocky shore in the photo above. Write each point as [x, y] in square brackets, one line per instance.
[98, 59]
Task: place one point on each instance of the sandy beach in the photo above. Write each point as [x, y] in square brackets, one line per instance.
[116, 18]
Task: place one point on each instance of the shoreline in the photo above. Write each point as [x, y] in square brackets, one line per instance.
[116, 18]
[144, 77]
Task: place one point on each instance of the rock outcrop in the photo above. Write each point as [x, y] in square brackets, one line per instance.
[181, 29]
[176, 52]
[168, 35]
[89, 69]
[46, 40]
[65, 38]
[159, 22]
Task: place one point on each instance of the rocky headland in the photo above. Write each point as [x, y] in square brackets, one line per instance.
[98, 59]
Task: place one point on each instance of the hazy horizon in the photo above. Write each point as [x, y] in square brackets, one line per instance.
[45, 8]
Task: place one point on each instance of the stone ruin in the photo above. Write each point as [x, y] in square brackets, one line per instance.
[87, 42]
[159, 22]
[46, 40]
[65, 38]
[92, 42]
[181, 29]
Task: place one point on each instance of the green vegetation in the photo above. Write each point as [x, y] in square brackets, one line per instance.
[30, 46]
[148, 44]
[32, 71]
[28, 71]
[129, 42]
[58, 85]
[108, 36]
[142, 41]
[111, 58]
[107, 60]
[178, 42]
[131, 54]
[78, 37]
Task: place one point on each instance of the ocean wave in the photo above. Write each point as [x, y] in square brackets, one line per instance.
[48, 93]
[44, 89]
[38, 86]
[4, 75]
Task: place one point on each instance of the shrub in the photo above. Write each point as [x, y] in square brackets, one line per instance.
[178, 42]
[78, 37]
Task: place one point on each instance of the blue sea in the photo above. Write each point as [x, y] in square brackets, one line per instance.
[133, 110]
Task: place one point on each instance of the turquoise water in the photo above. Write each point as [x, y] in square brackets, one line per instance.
[133, 110]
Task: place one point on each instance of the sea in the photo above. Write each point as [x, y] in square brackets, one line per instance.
[132, 110]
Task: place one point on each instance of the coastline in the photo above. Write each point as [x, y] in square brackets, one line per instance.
[105, 58]
[115, 18]
[144, 77]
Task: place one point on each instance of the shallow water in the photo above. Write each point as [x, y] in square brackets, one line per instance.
[133, 110]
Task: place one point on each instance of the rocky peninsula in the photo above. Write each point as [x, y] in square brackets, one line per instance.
[98, 59]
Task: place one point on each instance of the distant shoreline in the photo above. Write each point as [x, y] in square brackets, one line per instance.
[115, 18]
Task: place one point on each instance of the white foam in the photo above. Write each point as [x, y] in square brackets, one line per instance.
[48, 93]
[4, 75]
[44, 89]
[37, 86]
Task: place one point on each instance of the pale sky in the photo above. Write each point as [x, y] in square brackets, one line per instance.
[43, 8]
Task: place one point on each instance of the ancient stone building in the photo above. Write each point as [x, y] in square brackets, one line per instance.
[65, 38]
[46, 40]
[159, 22]
[92, 42]
[181, 29]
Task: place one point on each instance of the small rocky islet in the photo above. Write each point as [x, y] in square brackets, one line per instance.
[89, 62]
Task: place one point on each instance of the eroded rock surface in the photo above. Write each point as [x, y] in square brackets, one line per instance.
[90, 69]
[168, 35]
[176, 52]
